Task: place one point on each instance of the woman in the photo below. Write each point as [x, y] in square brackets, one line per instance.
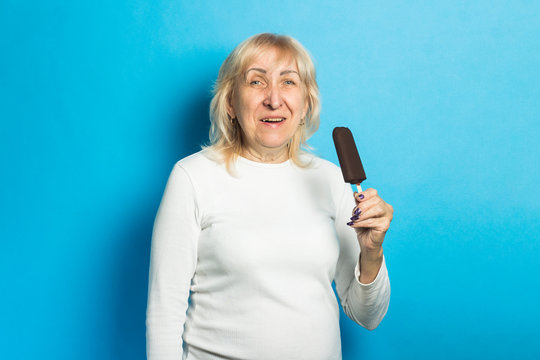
[252, 231]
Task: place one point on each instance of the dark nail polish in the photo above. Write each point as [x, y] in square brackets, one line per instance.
[357, 211]
[361, 196]
[355, 217]
[350, 223]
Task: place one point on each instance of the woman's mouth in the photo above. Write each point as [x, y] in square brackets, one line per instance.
[273, 120]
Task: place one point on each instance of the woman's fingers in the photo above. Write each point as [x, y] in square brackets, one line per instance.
[371, 211]
[379, 223]
[370, 219]
[371, 205]
[365, 205]
[365, 195]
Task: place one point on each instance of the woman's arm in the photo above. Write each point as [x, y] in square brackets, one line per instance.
[362, 281]
[172, 265]
[371, 219]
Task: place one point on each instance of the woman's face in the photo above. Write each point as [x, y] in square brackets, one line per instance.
[269, 103]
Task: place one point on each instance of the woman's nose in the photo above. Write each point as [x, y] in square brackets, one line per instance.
[273, 98]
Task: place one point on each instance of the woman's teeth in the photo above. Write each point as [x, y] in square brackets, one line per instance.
[273, 119]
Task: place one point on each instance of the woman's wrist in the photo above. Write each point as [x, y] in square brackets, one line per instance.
[370, 263]
[372, 255]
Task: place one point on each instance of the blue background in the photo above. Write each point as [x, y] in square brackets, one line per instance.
[99, 99]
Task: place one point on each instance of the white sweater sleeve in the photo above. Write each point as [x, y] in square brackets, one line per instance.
[172, 265]
[365, 304]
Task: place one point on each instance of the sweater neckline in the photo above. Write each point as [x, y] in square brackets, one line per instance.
[248, 162]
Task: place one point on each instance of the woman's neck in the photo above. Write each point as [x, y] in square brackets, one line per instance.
[270, 157]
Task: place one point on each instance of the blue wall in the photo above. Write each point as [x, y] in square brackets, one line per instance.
[99, 99]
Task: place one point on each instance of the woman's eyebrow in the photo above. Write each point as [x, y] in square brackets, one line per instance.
[257, 69]
[288, 72]
[281, 73]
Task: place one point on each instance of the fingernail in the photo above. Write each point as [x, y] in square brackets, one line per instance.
[350, 223]
[361, 196]
[355, 217]
[357, 211]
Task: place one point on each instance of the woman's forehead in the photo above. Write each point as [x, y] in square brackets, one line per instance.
[271, 58]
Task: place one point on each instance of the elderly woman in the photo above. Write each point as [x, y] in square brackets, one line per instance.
[252, 230]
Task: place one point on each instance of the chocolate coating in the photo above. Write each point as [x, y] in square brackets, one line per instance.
[349, 160]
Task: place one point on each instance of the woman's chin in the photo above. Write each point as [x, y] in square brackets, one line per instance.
[273, 141]
[275, 146]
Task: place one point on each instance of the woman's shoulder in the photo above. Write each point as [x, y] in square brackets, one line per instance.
[324, 170]
[200, 160]
[198, 165]
[318, 163]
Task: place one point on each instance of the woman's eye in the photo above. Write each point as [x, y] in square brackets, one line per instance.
[289, 82]
[256, 82]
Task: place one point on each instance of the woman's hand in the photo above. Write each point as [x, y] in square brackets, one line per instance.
[371, 219]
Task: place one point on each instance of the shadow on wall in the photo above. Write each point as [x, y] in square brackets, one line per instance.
[194, 129]
[189, 121]
[352, 339]
[188, 130]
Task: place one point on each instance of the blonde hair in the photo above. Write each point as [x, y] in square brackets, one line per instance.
[225, 136]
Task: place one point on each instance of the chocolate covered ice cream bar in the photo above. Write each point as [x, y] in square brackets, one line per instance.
[349, 160]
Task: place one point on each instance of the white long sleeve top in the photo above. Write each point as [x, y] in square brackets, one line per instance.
[242, 266]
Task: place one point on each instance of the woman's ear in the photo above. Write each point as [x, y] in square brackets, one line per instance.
[230, 108]
[306, 108]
